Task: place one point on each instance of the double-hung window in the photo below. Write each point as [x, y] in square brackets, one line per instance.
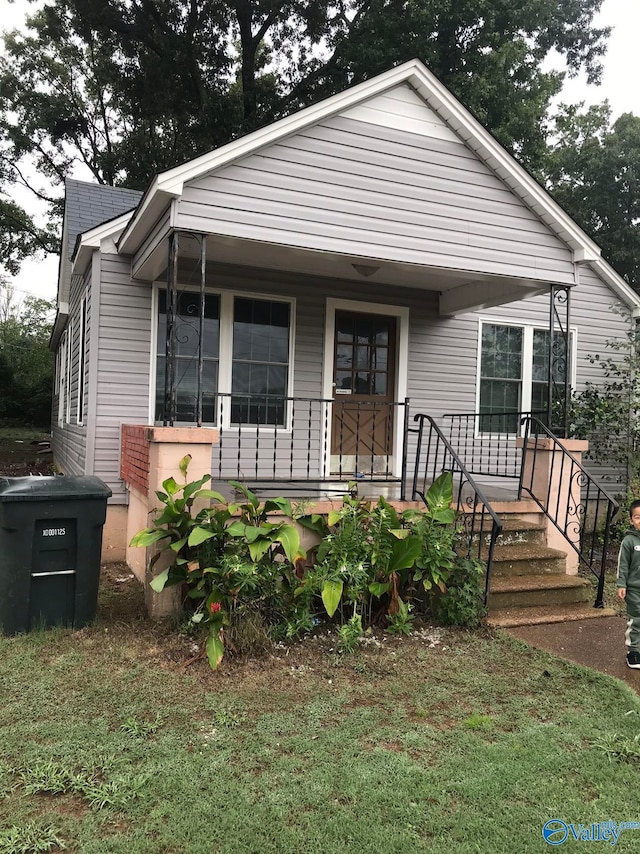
[514, 373]
[187, 338]
[260, 367]
[246, 359]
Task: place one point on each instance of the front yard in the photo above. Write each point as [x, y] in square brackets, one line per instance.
[443, 741]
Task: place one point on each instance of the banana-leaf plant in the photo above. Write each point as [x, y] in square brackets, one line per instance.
[226, 555]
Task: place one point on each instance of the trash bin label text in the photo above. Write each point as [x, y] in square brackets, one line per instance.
[54, 532]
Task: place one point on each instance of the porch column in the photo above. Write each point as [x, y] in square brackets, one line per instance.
[173, 318]
[556, 482]
[149, 456]
[558, 378]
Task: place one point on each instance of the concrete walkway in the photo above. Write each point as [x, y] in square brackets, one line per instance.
[596, 643]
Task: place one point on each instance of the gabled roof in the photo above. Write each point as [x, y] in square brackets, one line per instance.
[86, 205]
[169, 185]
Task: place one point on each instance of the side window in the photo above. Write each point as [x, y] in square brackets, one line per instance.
[187, 342]
[500, 377]
[82, 336]
[514, 374]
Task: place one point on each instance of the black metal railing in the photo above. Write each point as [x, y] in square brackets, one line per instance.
[434, 454]
[569, 497]
[486, 441]
[319, 443]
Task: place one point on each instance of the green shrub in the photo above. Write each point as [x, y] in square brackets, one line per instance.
[463, 602]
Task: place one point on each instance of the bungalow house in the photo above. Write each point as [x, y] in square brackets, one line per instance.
[299, 295]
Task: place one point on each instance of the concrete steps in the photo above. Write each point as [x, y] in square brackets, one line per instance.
[511, 617]
[529, 581]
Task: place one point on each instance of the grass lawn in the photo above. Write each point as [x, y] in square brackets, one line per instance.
[446, 741]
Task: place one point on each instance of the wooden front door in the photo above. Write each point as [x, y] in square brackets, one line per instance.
[364, 364]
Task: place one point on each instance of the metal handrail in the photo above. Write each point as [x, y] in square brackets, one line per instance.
[476, 510]
[586, 505]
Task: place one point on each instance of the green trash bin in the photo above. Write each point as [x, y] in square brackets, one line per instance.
[50, 545]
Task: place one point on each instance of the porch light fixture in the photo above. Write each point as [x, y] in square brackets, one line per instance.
[365, 270]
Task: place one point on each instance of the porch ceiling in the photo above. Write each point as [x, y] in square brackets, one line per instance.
[460, 290]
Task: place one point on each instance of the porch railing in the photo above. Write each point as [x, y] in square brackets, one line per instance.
[434, 455]
[487, 444]
[487, 441]
[581, 510]
[293, 442]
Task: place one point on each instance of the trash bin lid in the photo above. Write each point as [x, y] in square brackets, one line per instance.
[54, 488]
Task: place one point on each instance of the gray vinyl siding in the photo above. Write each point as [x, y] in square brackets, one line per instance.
[351, 187]
[69, 441]
[123, 352]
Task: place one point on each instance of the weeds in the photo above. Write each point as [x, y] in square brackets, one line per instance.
[620, 748]
[29, 838]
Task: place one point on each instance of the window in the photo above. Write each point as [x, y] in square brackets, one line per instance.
[260, 366]
[62, 376]
[81, 359]
[514, 373]
[246, 359]
[187, 338]
[68, 361]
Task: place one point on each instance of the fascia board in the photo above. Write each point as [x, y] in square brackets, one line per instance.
[617, 284]
[59, 324]
[90, 240]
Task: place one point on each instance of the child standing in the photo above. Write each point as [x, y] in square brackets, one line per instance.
[628, 584]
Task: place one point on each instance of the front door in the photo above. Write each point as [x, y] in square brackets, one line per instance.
[364, 388]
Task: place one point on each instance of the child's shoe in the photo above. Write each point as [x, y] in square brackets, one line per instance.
[633, 659]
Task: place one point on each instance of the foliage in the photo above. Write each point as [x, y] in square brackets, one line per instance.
[129, 89]
[229, 557]
[463, 604]
[593, 170]
[239, 569]
[619, 747]
[349, 635]
[26, 364]
[373, 554]
[401, 623]
[604, 411]
[30, 838]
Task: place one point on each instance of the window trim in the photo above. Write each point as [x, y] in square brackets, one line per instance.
[526, 380]
[225, 353]
[82, 337]
[67, 408]
[62, 376]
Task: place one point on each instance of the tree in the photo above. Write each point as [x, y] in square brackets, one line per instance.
[594, 173]
[26, 364]
[131, 87]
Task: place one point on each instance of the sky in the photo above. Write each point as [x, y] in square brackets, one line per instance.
[620, 85]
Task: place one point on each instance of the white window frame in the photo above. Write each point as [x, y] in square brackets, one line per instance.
[526, 380]
[82, 335]
[69, 358]
[225, 353]
[402, 363]
[62, 376]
